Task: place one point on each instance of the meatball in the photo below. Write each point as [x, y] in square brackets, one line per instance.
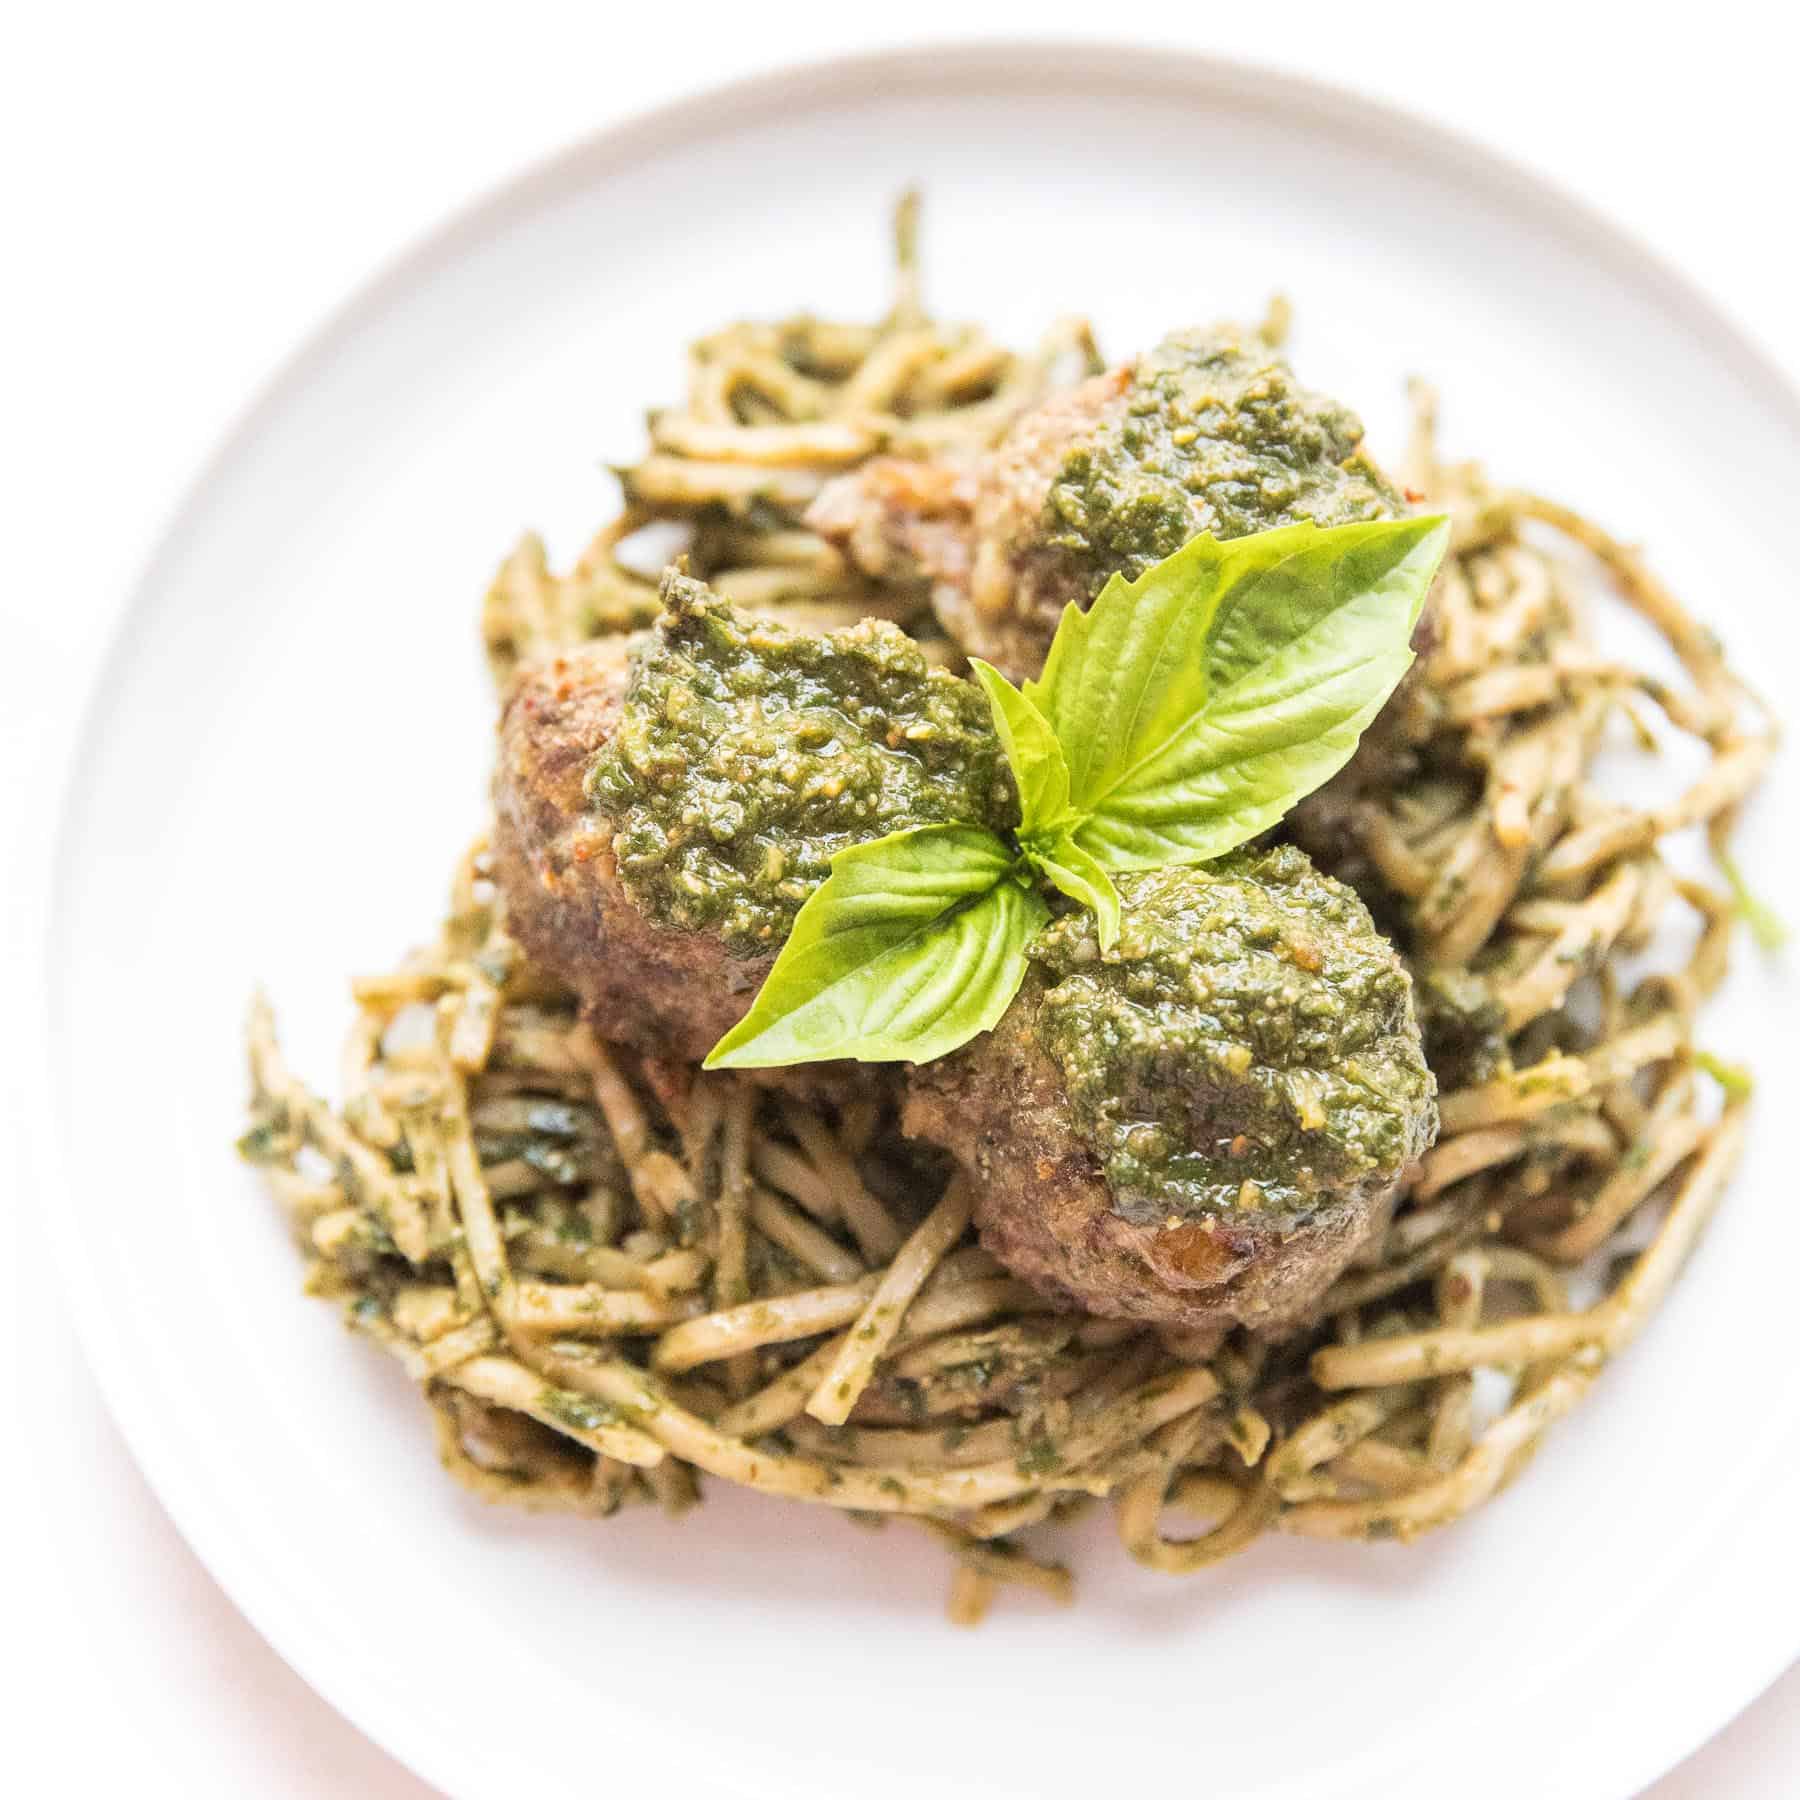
[674, 993]
[664, 809]
[1208, 432]
[900, 520]
[1202, 1125]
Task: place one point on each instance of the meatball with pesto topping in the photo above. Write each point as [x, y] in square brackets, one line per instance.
[1202, 1125]
[1208, 432]
[664, 809]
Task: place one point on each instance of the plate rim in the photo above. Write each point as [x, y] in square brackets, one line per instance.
[789, 86]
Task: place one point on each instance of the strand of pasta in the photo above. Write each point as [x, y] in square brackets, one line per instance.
[850, 1370]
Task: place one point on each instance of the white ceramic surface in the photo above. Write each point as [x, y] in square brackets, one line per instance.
[290, 742]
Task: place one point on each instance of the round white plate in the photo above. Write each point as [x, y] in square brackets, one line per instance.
[290, 742]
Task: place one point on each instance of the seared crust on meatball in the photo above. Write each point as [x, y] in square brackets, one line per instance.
[900, 520]
[973, 527]
[671, 993]
[1043, 1206]
[1201, 1124]
[1020, 578]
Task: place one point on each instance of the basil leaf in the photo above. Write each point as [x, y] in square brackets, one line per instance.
[1072, 871]
[1198, 703]
[915, 943]
[1031, 748]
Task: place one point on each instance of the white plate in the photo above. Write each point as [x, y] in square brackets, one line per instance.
[290, 742]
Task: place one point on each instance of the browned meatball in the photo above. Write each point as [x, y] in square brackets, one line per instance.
[1200, 1126]
[665, 807]
[900, 520]
[1208, 432]
[673, 993]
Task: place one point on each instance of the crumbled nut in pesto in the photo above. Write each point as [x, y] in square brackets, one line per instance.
[1248, 1045]
[747, 754]
[1215, 435]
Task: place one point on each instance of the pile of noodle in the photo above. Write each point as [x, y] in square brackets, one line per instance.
[613, 1277]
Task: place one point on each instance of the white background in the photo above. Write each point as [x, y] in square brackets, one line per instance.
[187, 189]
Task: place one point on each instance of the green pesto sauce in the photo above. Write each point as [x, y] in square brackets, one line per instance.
[1215, 435]
[1247, 1045]
[747, 754]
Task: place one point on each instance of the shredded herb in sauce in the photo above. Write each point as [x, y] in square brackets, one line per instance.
[748, 754]
[1248, 1045]
[1212, 434]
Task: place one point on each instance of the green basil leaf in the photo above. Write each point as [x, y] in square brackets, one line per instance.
[914, 944]
[1198, 703]
[1031, 748]
[1072, 871]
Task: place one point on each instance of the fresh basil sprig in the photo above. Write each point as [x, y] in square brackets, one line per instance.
[1177, 717]
[1047, 818]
